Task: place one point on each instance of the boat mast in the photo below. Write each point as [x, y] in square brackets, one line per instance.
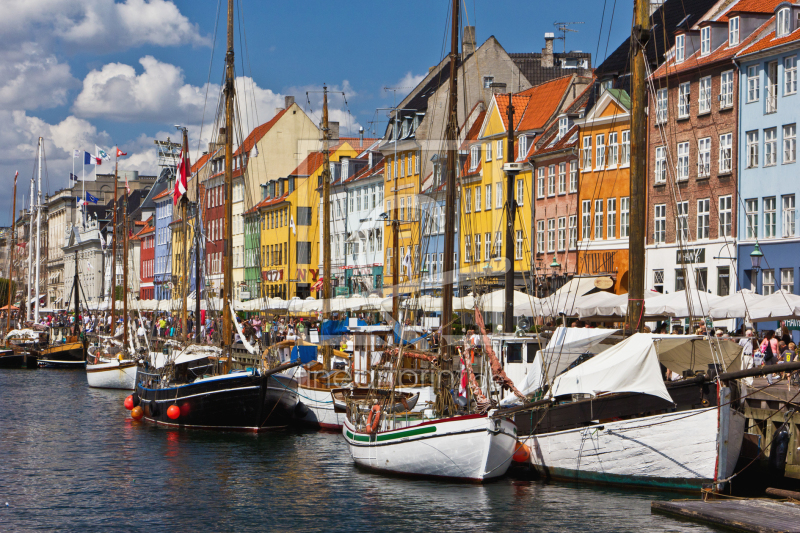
[75, 288]
[184, 226]
[197, 285]
[450, 198]
[638, 179]
[326, 227]
[125, 272]
[227, 318]
[114, 255]
[38, 231]
[30, 255]
[11, 247]
[508, 317]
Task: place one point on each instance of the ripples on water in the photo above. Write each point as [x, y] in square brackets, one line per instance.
[72, 459]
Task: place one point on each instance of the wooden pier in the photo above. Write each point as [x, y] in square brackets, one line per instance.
[759, 515]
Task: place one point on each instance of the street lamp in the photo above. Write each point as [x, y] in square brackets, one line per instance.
[554, 265]
[755, 258]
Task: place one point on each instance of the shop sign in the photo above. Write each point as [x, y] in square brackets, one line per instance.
[599, 262]
[793, 324]
[272, 275]
[690, 255]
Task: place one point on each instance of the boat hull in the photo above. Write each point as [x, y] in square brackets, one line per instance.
[681, 450]
[10, 359]
[68, 355]
[112, 375]
[321, 413]
[238, 402]
[472, 448]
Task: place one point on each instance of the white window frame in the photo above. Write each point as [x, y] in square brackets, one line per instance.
[624, 217]
[573, 176]
[751, 218]
[703, 218]
[725, 153]
[467, 200]
[660, 223]
[704, 96]
[682, 221]
[562, 178]
[660, 175]
[467, 249]
[600, 151]
[520, 191]
[625, 152]
[684, 96]
[752, 149]
[611, 218]
[680, 48]
[540, 236]
[768, 282]
[518, 246]
[783, 23]
[733, 31]
[726, 89]
[725, 212]
[598, 219]
[499, 155]
[770, 218]
[682, 171]
[789, 75]
[540, 182]
[487, 246]
[704, 157]
[770, 147]
[789, 143]
[613, 149]
[586, 220]
[488, 151]
[551, 180]
[586, 154]
[787, 280]
[477, 247]
[488, 197]
[573, 232]
[498, 195]
[788, 216]
[662, 99]
[478, 205]
[562, 234]
[705, 41]
[551, 235]
[474, 156]
[753, 83]
[771, 88]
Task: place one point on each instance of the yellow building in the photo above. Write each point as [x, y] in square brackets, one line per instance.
[289, 218]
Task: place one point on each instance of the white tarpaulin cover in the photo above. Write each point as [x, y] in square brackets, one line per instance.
[630, 366]
[780, 305]
[495, 302]
[604, 304]
[735, 305]
[693, 352]
[675, 304]
[193, 352]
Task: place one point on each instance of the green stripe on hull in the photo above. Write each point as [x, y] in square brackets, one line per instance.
[383, 437]
[565, 474]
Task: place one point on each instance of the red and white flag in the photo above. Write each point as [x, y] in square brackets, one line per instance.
[120, 153]
[184, 170]
[16, 175]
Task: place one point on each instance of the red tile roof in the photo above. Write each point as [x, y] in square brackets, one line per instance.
[163, 194]
[544, 101]
[769, 41]
[258, 133]
[200, 162]
[314, 160]
[475, 130]
[267, 202]
[562, 143]
[520, 103]
[367, 172]
[146, 229]
[751, 6]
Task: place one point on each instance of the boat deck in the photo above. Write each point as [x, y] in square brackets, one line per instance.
[763, 516]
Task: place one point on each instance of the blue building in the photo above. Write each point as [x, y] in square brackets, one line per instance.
[768, 188]
[162, 271]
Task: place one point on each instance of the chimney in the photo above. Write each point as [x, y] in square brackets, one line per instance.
[278, 110]
[468, 44]
[654, 5]
[547, 51]
[221, 137]
[333, 130]
[361, 134]
[498, 87]
[288, 101]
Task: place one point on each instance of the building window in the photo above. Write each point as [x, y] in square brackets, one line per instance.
[467, 200]
[789, 75]
[520, 191]
[477, 247]
[467, 249]
[586, 153]
[680, 281]
[489, 151]
[771, 87]
[573, 176]
[474, 156]
[624, 217]
[573, 231]
[701, 278]
[660, 229]
[789, 220]
[551, 235]
[499, 155]
[703, 217]
[705, 41]
[683, 221]
[416, 162]
[733, 31]
[403, 207]
[684, 90]
[522, 146]
[661, 165]
[683, 161]
[563, 126]
[488, 198]
[725, 148]
[600, 152]
[787, 280]
[586, 220]
[790, 143]
[661, 106]
[487, 246]
[680, 48]
[723, 281]
[498, 244]
[518, 247]
[540, 183]
[488, 81]
[704, 100]
[551, 180]
[477, 199]
[540, 236]
[704, 157]
[783, 23]
[562, 178]
[751, 211]
[770, 219]
[770, 147]
[598, 220]
[726, 89]
[611, 219]
[725, 216]
[625, 153]
[658, 281]
[752, 84]
[613, 149]
[768, 282]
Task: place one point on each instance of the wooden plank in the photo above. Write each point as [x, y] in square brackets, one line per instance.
[757, 515]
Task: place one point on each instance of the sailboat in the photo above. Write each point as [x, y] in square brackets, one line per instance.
[452, 440]
[66, 348]
[606, 414]
[198, 386]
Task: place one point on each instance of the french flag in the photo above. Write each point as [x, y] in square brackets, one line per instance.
[89, 159]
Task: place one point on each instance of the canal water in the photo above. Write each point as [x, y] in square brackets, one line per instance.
[72, 459]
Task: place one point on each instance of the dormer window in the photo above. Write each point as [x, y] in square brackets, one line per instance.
[474, 156]
[680, 48]
[606, 85]
[522, 146]
[783, 26]
[563, 126]
[733, 31]
[705, 41]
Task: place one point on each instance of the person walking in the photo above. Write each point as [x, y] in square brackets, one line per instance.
[747, 354]
[769, 349]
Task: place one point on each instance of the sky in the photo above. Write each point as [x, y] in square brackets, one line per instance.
[122, 73]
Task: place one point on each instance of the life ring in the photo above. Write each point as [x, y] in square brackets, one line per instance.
[372, 425]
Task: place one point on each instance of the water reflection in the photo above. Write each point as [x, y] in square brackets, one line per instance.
[73, 459]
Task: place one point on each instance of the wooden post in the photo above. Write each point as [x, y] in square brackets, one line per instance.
[227, 300]
[508, 316]
[326, 229]
[113, 257]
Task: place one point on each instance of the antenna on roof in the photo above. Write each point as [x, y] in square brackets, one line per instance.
[564, 27]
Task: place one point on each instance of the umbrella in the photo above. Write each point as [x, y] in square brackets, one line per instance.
[13, 308]
[780, 305]
[676, 304]
[735, 305]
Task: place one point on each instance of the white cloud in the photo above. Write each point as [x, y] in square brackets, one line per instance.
[31, 79]
[99, 25]
[408, 82]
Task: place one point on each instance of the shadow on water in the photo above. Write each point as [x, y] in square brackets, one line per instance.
[72, 459]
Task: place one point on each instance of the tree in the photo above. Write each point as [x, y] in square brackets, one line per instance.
[4, 291]
[119, 292]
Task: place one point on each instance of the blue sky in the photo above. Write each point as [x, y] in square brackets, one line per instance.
[108, 73]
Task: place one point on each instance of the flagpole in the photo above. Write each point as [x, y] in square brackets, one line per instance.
[83, 193]
[73, 169]
[114, 259]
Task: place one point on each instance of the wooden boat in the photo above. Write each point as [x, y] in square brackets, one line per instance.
[63, 349]
[22, 359]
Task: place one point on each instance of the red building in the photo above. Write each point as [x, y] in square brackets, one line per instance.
[147, 260]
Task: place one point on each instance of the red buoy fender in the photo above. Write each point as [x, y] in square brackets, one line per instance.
[137, 413]
[522, 454]
[129, 403]
[174, 412]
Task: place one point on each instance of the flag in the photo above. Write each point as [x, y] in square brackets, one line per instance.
[73, 177]
[89, 159]
[184, 171]
[80, 202]
[76, 154]
[16, 175]
[120, 153]
[291, 224]
[101, 154]
[90, 198]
